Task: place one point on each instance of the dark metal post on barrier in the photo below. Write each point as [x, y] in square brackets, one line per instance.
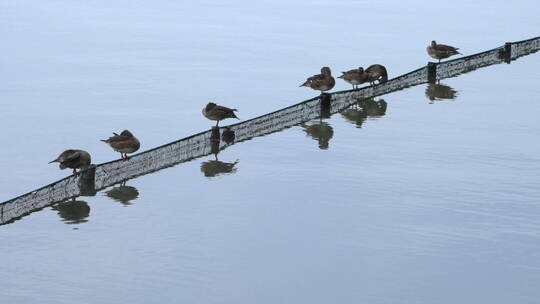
[508, 52]
[325, 100]
[215, 134]
[228, 135]
[214, 148]
[325, 105]
[432, 72]
[87, 181]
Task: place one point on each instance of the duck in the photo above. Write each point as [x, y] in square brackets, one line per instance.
[321, 82]
[376, 72]
[213, 111]
[124, 143]
[441, 51]
[354, 77]
[73, 159]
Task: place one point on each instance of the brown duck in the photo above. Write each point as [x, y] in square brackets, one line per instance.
[124, 143]
[73, 159]
[321, 82]
[441, 51]
[214, 112]
[354, 77]
[376, 72]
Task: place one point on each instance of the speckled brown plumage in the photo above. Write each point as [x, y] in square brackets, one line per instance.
[321, 82]
[376, 72]
[213, 111]
[124, 143]
[355, 77]
[73, 159]
[441, 51]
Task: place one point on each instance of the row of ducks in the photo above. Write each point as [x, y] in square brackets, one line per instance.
[376, 72]
[324, 81]
[123, 143]
[126, 142]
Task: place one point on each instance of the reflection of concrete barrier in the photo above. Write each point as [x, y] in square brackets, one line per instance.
[107, 174]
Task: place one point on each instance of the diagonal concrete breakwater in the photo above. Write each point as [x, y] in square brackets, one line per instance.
[107, 174]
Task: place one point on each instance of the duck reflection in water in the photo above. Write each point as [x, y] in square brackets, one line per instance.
[123, 194]
[73, 211]
[212, 168]
[360, 111]
[320, 131]
[440, 92]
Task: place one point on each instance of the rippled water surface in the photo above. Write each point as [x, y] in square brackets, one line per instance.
[435, 200]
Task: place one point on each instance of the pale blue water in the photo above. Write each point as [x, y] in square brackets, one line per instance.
[434, 202]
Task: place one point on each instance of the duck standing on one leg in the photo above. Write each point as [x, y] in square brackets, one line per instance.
[354, 77]
[376, 72]
[321, 82]
[73, 159]
[214, 112]
[441, 51]
[123, 143]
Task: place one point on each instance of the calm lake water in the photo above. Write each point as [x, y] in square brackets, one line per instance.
[437, 201]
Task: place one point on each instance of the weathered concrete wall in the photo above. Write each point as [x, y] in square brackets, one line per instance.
[201, 144]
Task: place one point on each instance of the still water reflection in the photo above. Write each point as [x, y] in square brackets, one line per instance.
[215, 167]
[73, 211]
[440, 92]
[358, 112]
[123, 194]
[320, 131]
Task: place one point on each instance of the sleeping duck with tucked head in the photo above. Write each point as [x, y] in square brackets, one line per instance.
[124, 143]
[355, 77]
[376, 72]
[213, 111]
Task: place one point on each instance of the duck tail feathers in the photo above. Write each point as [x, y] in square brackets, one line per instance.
[384, 76]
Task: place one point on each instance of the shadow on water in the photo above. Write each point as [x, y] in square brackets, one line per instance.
[440, 92]
[72, 211]
[360, 111]
[215, 167]
[123, 194]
